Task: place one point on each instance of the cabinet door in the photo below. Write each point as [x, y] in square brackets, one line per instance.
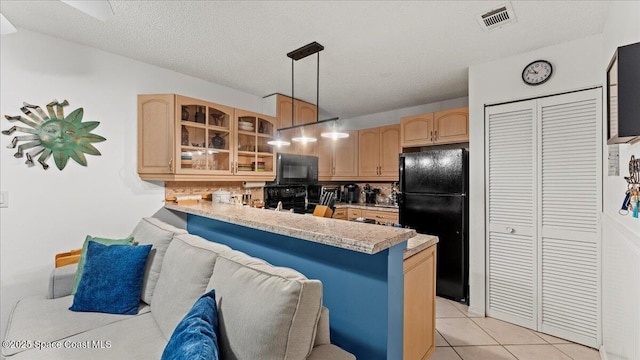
[345, 156]
[451, 126]
[305, 113]
[284, 111]
[368, 152]
[253, 156]
[416, 130]
[389, 151]
[380, 216]
[156, 134]
[419, 305]
[512, 213]
[340, 213]
[353, 213]
[205, 137]
[325, 159]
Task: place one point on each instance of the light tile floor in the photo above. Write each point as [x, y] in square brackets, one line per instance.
[465, 336]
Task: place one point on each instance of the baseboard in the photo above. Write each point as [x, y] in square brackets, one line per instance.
[476, 311]
[603, 353]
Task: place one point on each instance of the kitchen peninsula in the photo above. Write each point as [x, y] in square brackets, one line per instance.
[360, 266]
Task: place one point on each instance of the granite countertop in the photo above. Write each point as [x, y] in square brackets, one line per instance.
[364, 206]
[419, 243]
[350, 235]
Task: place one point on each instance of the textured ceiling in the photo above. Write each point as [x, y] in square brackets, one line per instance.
[379, 55]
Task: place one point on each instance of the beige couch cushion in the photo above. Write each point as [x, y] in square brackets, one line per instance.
[188, 266]
[265, 312]
[38, 318]
[159, 234]
[137, 338]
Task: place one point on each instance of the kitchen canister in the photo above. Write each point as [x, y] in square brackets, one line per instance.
[220, 196]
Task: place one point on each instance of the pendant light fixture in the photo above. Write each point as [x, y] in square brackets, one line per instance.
[334, 133]
[295, 55]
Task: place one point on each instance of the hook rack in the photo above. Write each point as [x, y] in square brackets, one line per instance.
[631, 202]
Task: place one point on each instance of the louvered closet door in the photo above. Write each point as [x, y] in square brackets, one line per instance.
[511, 210]
[570, 180]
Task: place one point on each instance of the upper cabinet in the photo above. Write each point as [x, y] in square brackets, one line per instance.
[304, 113]
[442, 127]
[338, 159]
[181, 138]
[378, 151]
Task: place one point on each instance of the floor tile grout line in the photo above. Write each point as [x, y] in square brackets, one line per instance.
[443, 338]
[563, 351]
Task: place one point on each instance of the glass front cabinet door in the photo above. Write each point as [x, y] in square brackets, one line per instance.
[206, 142]
[254, 157]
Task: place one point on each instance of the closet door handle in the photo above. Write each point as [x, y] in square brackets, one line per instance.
[510, 230]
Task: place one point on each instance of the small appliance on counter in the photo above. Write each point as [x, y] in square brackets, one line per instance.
[370, 194]
[314, 194]
[291, 197]
[351, 193]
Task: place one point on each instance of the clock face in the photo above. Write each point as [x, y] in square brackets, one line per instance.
[537, 72]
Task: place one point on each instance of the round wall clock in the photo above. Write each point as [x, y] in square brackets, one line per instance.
[537, 72]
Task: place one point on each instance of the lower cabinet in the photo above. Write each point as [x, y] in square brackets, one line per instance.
[340, 214]
[420, 305]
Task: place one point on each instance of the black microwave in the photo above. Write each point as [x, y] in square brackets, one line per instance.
[296, 169]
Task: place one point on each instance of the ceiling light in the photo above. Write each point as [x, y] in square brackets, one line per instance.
[304, 139]
[5, 26]
[278, 141]
[334, 133]
[100, 10]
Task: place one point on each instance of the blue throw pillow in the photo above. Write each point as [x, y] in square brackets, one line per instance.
[111, 280]
[195, 337]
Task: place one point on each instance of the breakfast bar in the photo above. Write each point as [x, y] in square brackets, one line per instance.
[360, 265]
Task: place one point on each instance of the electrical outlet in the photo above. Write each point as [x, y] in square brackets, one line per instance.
[4, 199]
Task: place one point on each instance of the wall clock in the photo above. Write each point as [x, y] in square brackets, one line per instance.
[537, 72]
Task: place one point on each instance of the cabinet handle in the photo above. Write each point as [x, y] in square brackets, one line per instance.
[431, 135]
[510, 230]
[436, 135]
[171, 165]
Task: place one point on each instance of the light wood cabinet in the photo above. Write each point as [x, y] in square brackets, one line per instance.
[383, 217]
[442, 127]
[353, 213]
[378, 151]
[340, 214]
[419, 305]
[338, 159]
[181, 138]
[304, 113]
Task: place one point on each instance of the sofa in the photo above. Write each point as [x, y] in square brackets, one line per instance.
[265, 312]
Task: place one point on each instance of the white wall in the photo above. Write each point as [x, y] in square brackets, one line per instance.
[52, 211]
[576, 65]
[620, 234]
[393, 116]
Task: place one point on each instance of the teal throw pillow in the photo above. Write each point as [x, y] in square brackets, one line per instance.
[83, 254]
[112, 279]
[195, 337]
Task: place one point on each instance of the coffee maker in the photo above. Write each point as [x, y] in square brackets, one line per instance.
[351, 193]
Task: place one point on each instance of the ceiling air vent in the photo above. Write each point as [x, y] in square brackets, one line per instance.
[497, 17]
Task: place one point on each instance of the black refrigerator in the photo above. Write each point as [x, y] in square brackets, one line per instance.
[434, 200]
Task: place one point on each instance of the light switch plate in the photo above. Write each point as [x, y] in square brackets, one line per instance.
[4, 199]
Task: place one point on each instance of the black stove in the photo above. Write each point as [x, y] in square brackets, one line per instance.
[291, 196]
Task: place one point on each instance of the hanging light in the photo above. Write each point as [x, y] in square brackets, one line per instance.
[334, 133]
[278, 141]
[304, 139]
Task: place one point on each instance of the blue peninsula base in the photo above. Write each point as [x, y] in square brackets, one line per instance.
[363, 292]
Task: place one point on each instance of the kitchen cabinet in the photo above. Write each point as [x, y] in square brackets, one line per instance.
[382, 217]
[378, 151]
[338, 158]
[419, 305]
[340, 214]
[181, 138]
[353, 214]
[442, 127]
[305, 113]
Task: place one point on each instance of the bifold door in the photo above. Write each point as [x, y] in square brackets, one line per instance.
[543, 214]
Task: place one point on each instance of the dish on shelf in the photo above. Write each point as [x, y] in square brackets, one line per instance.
[244, 167]
[246, 128]
[245, 123]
